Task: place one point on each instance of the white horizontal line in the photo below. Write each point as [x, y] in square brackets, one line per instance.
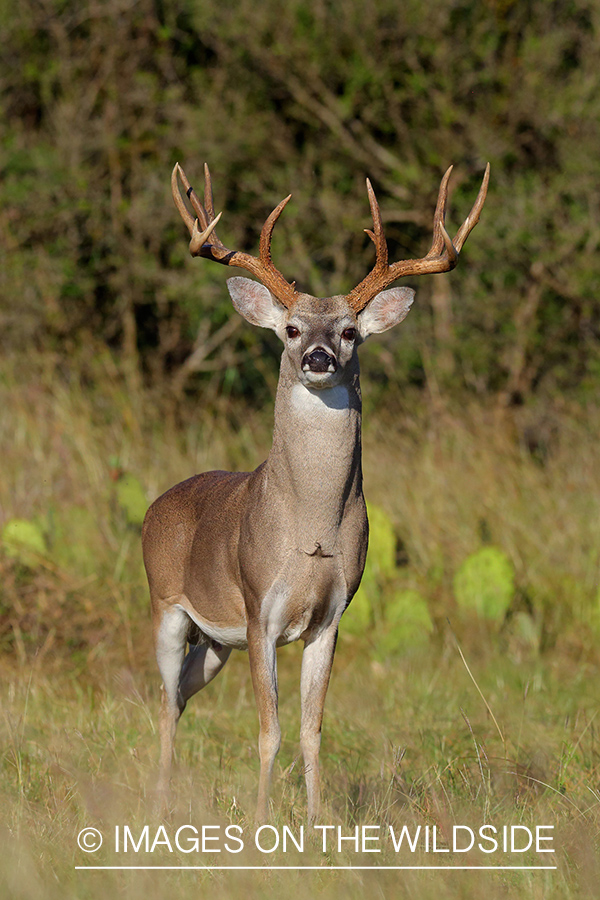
[314, 868]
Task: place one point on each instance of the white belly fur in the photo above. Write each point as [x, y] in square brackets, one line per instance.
[228, 635]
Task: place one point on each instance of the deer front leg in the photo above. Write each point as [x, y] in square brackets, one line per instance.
[317, 660]
[263, 667]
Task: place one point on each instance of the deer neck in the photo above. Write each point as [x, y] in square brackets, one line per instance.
[314, 467]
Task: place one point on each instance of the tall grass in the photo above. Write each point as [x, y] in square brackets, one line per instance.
[408, 735]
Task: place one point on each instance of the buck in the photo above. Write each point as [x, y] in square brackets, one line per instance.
[255, 560]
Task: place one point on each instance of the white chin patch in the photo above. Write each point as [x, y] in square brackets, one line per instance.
[317, 379]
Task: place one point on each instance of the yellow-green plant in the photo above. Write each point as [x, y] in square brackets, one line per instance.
[132, 498]
[380, 566]
[75, 538]
[408, 623]
[484, 583]
[400, 617]
[24, 541]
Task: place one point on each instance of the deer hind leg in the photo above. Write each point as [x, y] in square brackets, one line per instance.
[170, 638]
[317, 661]
[200, 666]
[182, 677]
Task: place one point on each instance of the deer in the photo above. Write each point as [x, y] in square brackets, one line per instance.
[256, 560]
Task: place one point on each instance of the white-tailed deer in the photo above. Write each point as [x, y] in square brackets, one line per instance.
[259, 559]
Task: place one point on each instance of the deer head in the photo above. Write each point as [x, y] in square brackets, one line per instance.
[320, 336]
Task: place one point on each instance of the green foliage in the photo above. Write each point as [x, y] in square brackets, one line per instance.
[408, 623]
[68, 536]
[310, 98]
[75, 536]
[132, 498]
[398, 618]
[24, 540]
[382, 544]
[358, 619]
[379, 567]
[485, 583]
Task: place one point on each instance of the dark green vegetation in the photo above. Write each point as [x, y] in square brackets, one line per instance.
[99, 101]
[466, 684]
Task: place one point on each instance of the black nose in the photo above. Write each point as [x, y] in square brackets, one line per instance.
[319, 361]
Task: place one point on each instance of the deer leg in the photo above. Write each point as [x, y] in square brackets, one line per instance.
[170, 638]
[183, 676]
[263, 667]
[200, 666]
[317, 660]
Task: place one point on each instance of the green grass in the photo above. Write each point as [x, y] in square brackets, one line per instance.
[411, 735]
[418, 749]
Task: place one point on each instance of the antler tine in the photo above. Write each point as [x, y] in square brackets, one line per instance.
[267, 231]
[377, 235]
[442, 256]
[208, 192]
[439, 217]
[192, 197]
[183, 210]
[198, 238]
[262, 267]
[473, 218]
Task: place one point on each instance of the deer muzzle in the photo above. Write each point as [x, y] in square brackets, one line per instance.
[319, 360]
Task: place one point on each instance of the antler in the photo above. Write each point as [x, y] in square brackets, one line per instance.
[261, 267]
[442, 256]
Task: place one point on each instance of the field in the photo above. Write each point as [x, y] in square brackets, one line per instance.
[461, 715]
[461, 726]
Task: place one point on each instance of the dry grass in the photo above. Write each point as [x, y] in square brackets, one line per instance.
[408, 739]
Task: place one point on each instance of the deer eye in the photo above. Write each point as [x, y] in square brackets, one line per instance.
[349, 334]
[292, 332]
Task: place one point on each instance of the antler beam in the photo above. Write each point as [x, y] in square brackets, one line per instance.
[205, 242]
[442, 256]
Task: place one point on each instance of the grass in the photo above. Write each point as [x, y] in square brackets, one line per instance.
[486, 722]
[420, 749]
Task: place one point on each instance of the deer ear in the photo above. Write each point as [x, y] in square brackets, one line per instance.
[255, 303]
[385, 310]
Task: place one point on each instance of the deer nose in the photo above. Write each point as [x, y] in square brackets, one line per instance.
[319, 361]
